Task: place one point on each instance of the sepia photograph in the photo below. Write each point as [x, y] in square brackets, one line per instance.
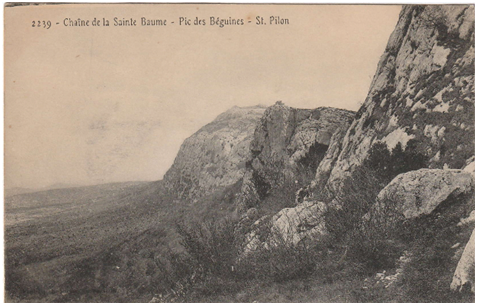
[239, 153]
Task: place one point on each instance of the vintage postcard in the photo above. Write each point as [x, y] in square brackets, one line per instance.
[239, 152]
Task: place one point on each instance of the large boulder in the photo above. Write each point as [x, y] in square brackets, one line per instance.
[420, 192]
[304, 220]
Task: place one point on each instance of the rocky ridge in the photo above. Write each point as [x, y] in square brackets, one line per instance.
[288, 146]
[423, 89]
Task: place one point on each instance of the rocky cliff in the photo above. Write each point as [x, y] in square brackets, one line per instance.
[264, 147]
[423, 89]
[287, 148]
[214, 156]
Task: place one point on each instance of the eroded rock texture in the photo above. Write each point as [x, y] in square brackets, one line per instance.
[464, 273]
[423, 89]
[288, 227]
[288, 146]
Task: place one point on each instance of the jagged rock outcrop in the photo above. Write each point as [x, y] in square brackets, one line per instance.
[288, 146]
[464, 273]
[288, 227]
[216, 155]
[423, 89]
[326, 165]
[420, 192]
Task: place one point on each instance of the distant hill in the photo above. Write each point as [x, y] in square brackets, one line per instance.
[21, 190]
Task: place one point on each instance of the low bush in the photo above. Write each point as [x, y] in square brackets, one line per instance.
[279, 259]
[211, 245]
[434, 240]
[356, 196]
[366, 236]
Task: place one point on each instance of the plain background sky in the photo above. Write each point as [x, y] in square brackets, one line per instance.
[94, 105]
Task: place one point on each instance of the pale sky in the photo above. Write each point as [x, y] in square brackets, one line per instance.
[88, 105]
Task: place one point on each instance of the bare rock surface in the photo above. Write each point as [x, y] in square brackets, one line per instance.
[214, 156]
[423, 89]
[288, 145]
[419, 192]
[290, 226]
[293, 224]
[326, 165]
[470, 165]
[288, 136]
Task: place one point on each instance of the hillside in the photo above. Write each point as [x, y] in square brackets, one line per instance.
[383, 197]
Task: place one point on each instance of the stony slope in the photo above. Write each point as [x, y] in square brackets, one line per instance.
[423, 90]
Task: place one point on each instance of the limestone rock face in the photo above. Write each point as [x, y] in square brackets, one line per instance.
[464, 273]
[419, 192]
[423, 89]
[215, 156]
[288, 227]
[288, 145]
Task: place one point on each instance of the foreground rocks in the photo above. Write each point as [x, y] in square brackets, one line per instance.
[288, 227]
[420, 192]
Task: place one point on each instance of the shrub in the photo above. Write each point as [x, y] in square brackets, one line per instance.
[431, 239]
[358, 192]
[356, 196]
[279, 258]
[211, 245]
[385, 164]
[370, 240]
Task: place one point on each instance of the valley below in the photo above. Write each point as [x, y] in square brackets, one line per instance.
[51, 234]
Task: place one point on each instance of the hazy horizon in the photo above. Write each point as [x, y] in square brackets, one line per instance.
[87, 106]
